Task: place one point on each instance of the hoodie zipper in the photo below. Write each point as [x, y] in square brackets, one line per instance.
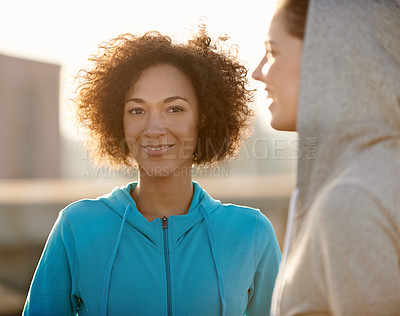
[167, 265]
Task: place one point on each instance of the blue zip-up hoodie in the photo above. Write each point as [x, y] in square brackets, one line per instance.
[104, 258]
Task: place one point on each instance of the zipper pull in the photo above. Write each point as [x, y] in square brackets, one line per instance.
[164, 221]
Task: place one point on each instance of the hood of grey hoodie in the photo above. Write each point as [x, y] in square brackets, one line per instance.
[349, 102]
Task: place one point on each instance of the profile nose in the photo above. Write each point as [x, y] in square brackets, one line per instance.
[155, 126]
[258, 72]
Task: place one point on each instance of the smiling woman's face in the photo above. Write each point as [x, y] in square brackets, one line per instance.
[280, 71]
[160, 121]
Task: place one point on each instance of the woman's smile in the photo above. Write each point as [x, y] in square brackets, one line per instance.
[156, 150]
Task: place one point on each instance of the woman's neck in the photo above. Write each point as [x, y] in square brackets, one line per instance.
[163, 196]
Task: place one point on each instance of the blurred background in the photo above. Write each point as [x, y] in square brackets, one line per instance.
[43, 164]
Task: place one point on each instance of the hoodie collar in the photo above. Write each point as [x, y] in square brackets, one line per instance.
[120, 198]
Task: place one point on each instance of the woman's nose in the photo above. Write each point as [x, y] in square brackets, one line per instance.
[257, 73]
[155, 126]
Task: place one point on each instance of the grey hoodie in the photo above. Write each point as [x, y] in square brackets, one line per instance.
[342, 252]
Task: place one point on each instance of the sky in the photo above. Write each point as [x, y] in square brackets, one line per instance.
[68, 32]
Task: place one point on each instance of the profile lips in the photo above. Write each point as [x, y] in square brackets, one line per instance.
[270, 96]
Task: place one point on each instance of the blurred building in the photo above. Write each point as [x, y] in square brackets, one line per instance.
[30, 145]
[29, 128]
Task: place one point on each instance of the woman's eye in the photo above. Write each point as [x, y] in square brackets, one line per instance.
[175, 109]
[136, 111]
[269, 53]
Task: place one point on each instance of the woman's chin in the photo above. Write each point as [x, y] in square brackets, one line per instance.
[281, 125]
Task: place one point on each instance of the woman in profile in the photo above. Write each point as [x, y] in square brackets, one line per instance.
[332, 71]
[162, 245]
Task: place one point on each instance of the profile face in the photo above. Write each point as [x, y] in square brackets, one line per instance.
[280, 71]
[160, 121]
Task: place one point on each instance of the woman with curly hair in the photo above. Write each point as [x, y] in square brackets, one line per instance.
[162, 245]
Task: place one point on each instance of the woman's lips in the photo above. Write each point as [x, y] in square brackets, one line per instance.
[156, 150]
[270, 95]
[272, 100]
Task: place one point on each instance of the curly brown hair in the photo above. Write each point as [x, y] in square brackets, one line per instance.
[217, 76]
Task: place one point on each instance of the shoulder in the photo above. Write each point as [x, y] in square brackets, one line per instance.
[81, 208]
[246, 218]
[347, 205]
[238, 213]
[337, 197]
[255, 230]
[86, 213]
[244, 212]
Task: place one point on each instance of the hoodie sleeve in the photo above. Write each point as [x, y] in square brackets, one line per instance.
[267, 259]
[52, 287]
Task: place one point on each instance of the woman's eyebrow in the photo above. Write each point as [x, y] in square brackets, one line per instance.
[166, 100]
[270, 42]
[176, 97]
[137, 100]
